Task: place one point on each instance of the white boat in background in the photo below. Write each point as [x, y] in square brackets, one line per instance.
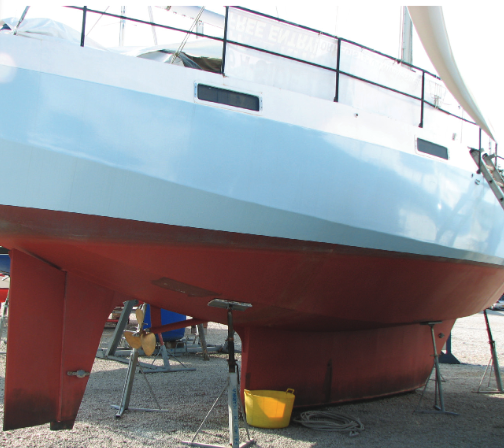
[329, 185]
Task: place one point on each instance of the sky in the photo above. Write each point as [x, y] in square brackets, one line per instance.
[477, 40]
[475, 30]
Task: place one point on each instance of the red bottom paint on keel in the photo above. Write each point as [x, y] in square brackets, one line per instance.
[333, 367]
[335, 323]
[64, 315]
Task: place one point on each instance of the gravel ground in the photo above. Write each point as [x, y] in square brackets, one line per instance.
[188, 395]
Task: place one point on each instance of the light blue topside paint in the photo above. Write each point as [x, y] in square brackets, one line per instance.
[83, 147]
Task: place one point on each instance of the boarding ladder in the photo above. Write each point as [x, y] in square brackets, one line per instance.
[494, 178]
[490, 173]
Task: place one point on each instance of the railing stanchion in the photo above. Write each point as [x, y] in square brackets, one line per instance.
[422, 100]
[479, 149]
[224, 41]
[83, 32]
[336, 96]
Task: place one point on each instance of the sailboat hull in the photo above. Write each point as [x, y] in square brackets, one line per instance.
[342, 236]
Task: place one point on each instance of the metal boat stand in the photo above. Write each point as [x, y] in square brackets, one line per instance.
[133, 363]
[128, 386]
[438, 391]
[202, 338]
[234, 400]
[493, 364]
[198, 344]
[111, 351]
[4, 319]
[130, 376]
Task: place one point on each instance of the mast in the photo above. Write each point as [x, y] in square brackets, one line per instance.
[153, 28]
[407, 37]
[121, 27]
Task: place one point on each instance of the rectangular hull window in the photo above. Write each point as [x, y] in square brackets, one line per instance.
[432, 149]
[228, 97]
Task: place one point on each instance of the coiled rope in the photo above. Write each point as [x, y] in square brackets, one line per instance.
[330, 421]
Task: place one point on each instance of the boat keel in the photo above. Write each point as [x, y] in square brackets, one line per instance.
[56, 319]
[332, 367]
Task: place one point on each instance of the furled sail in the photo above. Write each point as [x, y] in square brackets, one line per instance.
[430, 25]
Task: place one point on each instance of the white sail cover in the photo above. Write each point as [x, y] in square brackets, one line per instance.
[430, 25]
[46, 29]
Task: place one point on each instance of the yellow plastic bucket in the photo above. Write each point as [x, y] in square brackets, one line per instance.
[269, 408]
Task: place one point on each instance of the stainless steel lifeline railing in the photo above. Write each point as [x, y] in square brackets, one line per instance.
[338, 72]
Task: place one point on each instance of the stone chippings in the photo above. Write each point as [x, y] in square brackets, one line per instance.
[389, 422]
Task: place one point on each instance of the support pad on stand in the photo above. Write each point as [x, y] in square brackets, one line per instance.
[438, 392]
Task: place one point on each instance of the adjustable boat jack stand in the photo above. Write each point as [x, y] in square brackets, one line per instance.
[128, 385]
[130, 376]
[438, 391]
[132, 366]
[492, 364]
[202, 338]
[234, 400]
